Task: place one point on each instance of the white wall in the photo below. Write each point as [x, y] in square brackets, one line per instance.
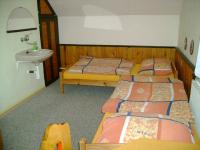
[16, 85]
[117, 7]
[190, 27]
[150, 30]
[23, 23]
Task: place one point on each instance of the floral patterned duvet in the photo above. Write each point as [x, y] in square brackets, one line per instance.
[110, 66]
[168, 98]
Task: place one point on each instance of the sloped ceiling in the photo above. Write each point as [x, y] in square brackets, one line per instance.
[115, 7]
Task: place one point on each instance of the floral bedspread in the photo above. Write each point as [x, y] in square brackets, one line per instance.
[110, 66]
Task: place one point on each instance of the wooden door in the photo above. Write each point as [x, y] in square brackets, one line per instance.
[49, 40]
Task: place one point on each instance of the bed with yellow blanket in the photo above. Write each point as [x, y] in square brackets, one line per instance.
[108, 71]
[96, 71]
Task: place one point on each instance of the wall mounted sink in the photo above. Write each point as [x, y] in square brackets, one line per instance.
[33, 56]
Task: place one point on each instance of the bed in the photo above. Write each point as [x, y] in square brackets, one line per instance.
[153, 95]
[96, 71]
[167, 123]
[182, 135]
[159, 95]
[108, 71]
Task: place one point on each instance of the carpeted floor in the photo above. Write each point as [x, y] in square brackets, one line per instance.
[80, 106]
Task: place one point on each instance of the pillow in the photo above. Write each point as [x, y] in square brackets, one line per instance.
[155, 66]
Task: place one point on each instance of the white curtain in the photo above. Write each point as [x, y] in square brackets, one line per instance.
[197, 68]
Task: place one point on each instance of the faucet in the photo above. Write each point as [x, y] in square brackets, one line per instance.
[33, 44]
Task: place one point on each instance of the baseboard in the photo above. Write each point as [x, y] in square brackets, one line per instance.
[25, 99]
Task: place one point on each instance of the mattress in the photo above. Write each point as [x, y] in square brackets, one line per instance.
[98, 77]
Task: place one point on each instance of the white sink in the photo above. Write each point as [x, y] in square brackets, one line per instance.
[33, 56]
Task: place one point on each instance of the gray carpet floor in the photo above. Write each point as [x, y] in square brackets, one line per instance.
[80, 106]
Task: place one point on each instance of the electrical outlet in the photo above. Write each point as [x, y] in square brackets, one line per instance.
[30, 71]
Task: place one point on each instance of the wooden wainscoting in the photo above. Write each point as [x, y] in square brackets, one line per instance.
[185, 70]
[69, 54]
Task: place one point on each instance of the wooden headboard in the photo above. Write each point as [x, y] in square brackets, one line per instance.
[69, 54]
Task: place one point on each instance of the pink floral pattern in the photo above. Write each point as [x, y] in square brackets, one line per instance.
[162, 92]
[140, 127]
[181, 110]
[150, 91]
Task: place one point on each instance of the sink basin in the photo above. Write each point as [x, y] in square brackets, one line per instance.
[34, 56]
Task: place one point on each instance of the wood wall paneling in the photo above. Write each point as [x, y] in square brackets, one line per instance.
[71, 53]
[45, 8]
[49, 41]
[185, 69]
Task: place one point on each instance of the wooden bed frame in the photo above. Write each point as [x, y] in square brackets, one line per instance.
[84, 82]
[142, 144]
